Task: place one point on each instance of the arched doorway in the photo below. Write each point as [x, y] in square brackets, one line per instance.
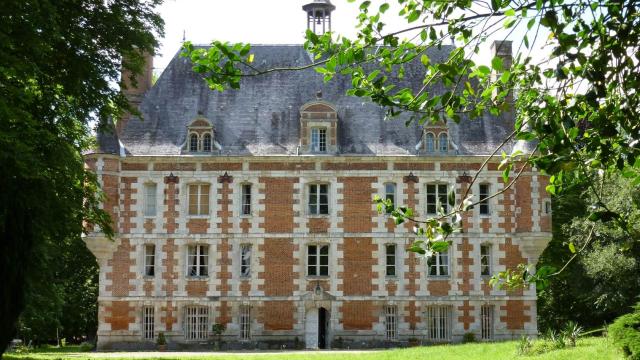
[323, 321]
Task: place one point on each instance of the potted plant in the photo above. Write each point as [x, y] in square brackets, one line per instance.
[217, 330]
[161, 342]
[414, 341]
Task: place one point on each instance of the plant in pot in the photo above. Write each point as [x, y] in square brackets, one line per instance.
[217, 330]
[161, 342]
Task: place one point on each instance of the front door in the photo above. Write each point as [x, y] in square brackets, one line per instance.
[323, 317]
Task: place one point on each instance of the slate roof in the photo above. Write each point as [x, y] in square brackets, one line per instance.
[262, 117]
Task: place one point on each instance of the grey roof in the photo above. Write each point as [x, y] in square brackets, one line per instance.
[107, 139]
[262, 117]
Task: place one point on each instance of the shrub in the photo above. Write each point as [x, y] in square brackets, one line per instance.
[86, 346]
[555, 338]
[469, 337]
[161, 340]
[571, 332]
[524, 345]
[625, 332]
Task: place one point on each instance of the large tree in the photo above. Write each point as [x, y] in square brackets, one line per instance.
[573, 81]
[59, 61]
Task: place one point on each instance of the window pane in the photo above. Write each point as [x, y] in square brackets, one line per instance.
[324, 270]
[324, 250]
[193, 199]
[206, 143]
[204, 200]
[193, 144]
[150, 199]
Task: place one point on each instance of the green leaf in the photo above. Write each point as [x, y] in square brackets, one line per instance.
[484, 69]
[250, 58]
[384, 7]
[572, 248]
[496, 63]
[424, 59]
[440, 246]
[510, 12]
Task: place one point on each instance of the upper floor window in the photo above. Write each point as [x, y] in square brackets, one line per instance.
[485, 259]
[390, 193]
[150, 191]
[436, 197]
[318, 199]
[430, 143]
[245, 260]
[197, 260]
[149, 260]
[246, 199]
[206, 143]
[443, 142]
[318, 260]
[484, 201]
[318, 139]
[390, 252]
[438, 264]
[199, 199]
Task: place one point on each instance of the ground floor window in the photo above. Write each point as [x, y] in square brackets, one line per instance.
[486, 316]
[196, 323]
[439, 323]
[391, 320]
[148, 323]
[245, 322]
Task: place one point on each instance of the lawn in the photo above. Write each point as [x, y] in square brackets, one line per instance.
[588, 349]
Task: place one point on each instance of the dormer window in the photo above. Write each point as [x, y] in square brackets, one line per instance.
[318, 139]
[206, 142]
[430, 142]
[193, 142]
[318, 128]
[201, 136]
[443, 142]
[436, 139]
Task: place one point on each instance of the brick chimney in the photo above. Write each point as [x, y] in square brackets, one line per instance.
[135, 86]
[503, 50]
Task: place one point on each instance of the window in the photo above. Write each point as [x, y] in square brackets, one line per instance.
[438, 323]
[193, 142]
[484, 202]
[486, 316]
[430, 143]
[318, 139]
[443, 142]
[485, 259]
[547, 207]
[206, 143]
[318, 260]
[198, 260]
[439, 264]
[436, 197]
[245, 260]
[246, 199]
[318, 199]
[150, 191]
[149, 260]
[391, 321]
[148, 323]
[390, 193]
[391, 259]
[199, 199]
[196, 322]
[245, 322]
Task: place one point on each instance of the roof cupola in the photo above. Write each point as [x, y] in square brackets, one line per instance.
[319, 16]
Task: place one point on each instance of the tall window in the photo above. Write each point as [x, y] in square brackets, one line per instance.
[443, 142]
[318, 199]
[439, 323]
[196, 322]
[436, 197]
[318, 139]
[485, 259]
[391, 259]
[199, 199]
[148, 323]
[484, 201]
[318, 260]
[150, 191]
[149, 260]
[391, 322]
[246, 199]
[193, 142]
[486, 316]
[245, 260]
[547, 207]
[439, 264]
[198, 260]
[245, 322]
[390, 193]
[206, 143]
[430, 143]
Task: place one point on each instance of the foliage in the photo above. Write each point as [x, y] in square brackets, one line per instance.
[571, 332]
[218, 329]
[625, 332]
[469, 337]
[161, 340]
[58, 60]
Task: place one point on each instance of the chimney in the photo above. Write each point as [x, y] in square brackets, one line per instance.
[135, 86]
[503, 50]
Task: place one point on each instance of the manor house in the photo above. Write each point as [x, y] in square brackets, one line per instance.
[252, 211]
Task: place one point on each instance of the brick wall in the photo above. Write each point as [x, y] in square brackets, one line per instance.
[357, 214]
[358, 263]
[358, 315]
[278, 315]
[121, 315]
[121, 273]
[278, 267]
[278, 203]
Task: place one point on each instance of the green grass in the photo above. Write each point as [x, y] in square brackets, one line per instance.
[587, 349]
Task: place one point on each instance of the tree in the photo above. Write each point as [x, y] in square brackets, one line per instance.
[58, 63]
[576, 101]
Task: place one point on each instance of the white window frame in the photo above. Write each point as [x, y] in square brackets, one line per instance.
[149, 269]
[196, 323]
[484, 207]
[191, 137]
[317, 257]
[245, 199]
[245, 260]
[314, 199]
[390, 191]
[202, 206]
[245, 322]
[319, 139]
[439, 322]
[441, 262]
[391, 260]
[150, 199]
[205, 137]
[391, 322]
[486, 268]
[487, 322]
[443, 143]
[197, 261]
[148, 322]
[430, 143]
[439, 197]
